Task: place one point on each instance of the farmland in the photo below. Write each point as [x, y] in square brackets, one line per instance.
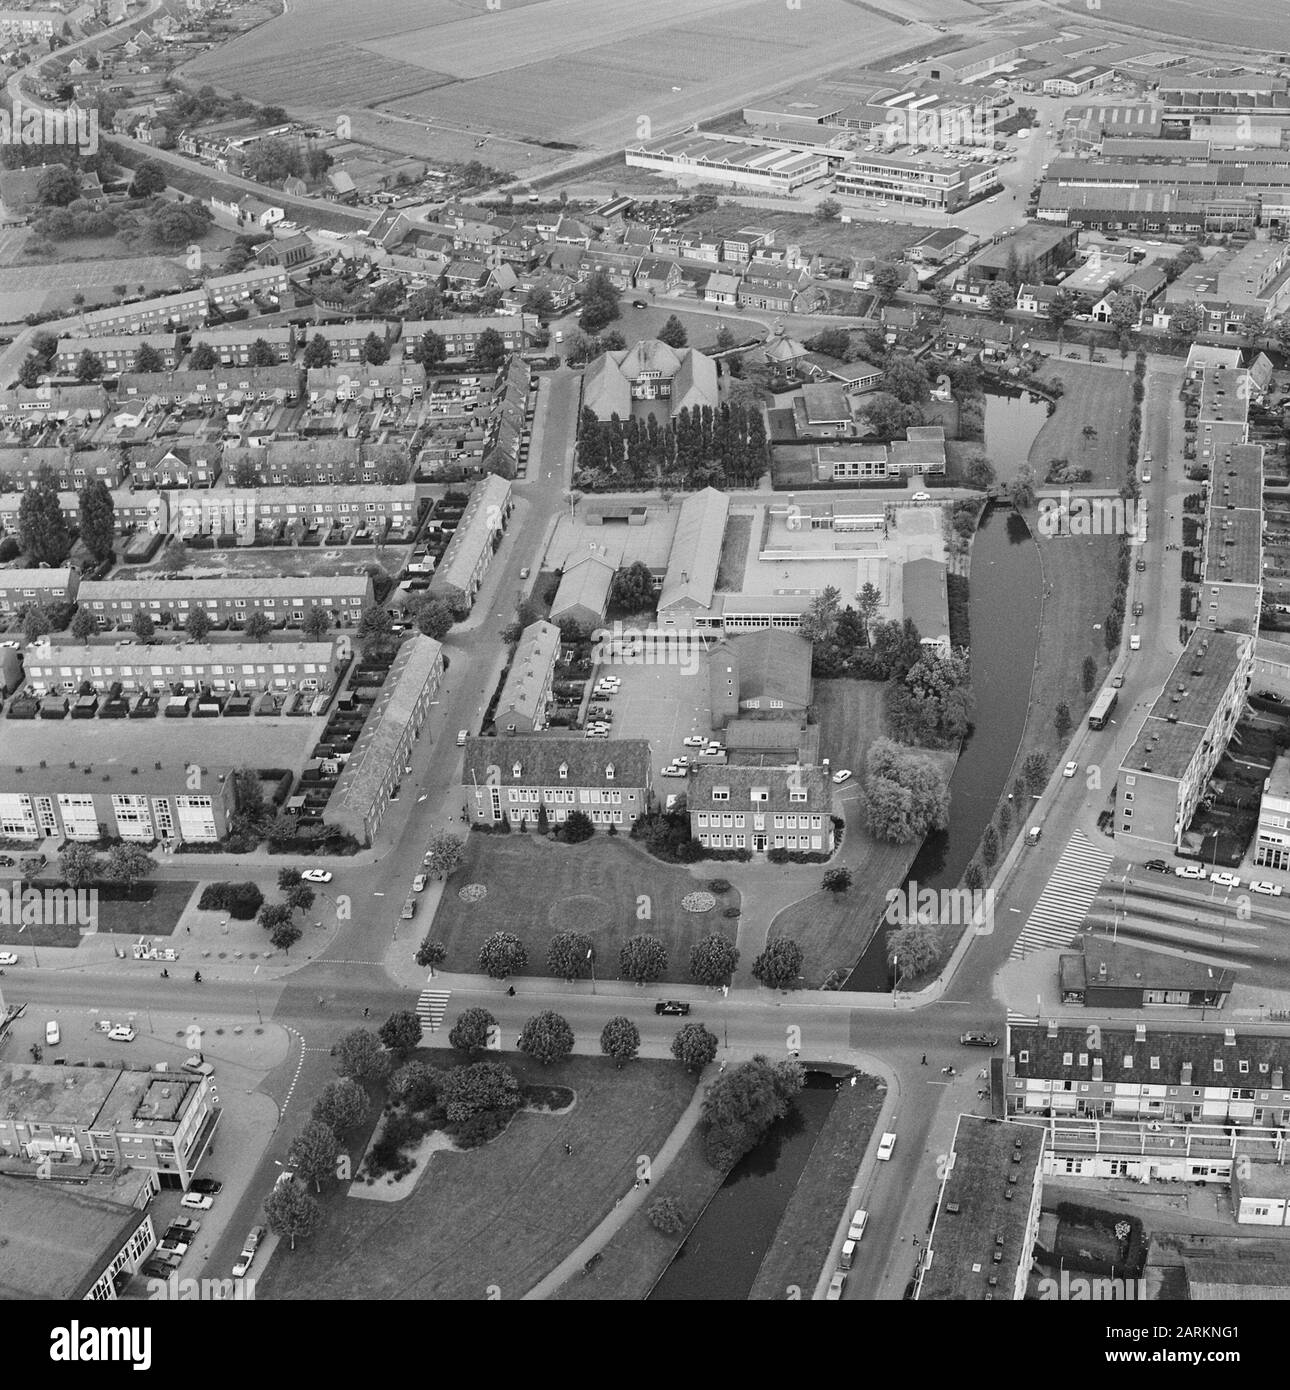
[1257, 23]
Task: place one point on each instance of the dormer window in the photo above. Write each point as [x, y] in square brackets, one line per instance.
[515, 770]
[609, 772]
[564, 772]
[759, 794]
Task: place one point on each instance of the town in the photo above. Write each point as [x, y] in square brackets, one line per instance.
[699, 699]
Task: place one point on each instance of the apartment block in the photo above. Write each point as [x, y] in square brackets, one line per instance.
[227, 602]
[346, 340]
[217, 386]
[233, 345]
[513, 779]
[366, 381]
[475, 541]
[243, 510]
[229, 291]
[461, 335]
[297, 463]
[526, 693]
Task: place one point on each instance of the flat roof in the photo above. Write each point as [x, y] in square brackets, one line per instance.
[1114, 966]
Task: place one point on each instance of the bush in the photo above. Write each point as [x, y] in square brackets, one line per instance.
[479, 1128]
[240, 900]
[730, 912]
[718, 885]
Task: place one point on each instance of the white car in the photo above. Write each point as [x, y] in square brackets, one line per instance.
[1273, 890]
[921, 497]
[995, 199]
[316, 876]
[53, 1036]
[243, 1263]
[419, 883]
[1189, 871]
[858, 1222]
[1146, 477]
[843, 774]
[285, 1176]
[674, 772]
[1224, 879]
[713, 750]
[886, 1146]
[121, 1033]
[1070, 769]
[8, 958]
[197, 1201]
[1135, 643]
[695, 741]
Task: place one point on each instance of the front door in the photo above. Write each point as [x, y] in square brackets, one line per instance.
[759, 842]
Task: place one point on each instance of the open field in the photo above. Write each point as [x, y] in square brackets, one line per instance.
[501, 1215]
[1257, 23]
[1097, 396]
[152, 909]
[885, 240]
[269, 562]
[538, 887]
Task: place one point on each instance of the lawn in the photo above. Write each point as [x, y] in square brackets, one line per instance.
[635, 1259]
[805, 1235]
[151, 909]
[537, 887]
[267, 562]
[498, 1217]
[734, 554]
[793, 465]
[1100, 397]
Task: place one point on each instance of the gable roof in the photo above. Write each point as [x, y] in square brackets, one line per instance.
[540, 761]
[778, 783]
[526, 681]
[774, 664]
[696, 550]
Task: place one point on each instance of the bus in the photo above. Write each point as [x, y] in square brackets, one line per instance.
[1102, 708]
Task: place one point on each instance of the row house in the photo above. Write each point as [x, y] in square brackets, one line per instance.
[461, 335]
[226, 291]
[659, 274]
[132, 510]
[117, 352]
[230, 510]
[474, 543]
[563, 289]
[515, 779]
[1035, 299]
[79, 404]
[346, 340]
[18, 588]
[699, 246]
[186, 310]
[88, 803]
[508, 418]
[294, 463]
[227, 602]
[762, 808]
[281, 384]
[233, 345]
[721, 289]
[776, 291]
[367, 381]
[176, 465]
[740, 247]
[620, 267]
[378, 761]
[23, 468]
[527, 690]
[229, 668]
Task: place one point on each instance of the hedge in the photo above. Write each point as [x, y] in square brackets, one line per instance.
[239, 900]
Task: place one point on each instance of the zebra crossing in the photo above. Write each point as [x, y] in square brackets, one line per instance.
[1066, 898]
[431, 1007]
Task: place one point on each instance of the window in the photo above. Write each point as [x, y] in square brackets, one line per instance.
[1067, 1058]
[721, 793]
[1155, 1064]
[1083, 1059]
[1243, 1068]
[1128, 1061]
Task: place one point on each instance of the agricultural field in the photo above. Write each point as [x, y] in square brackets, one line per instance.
[1257, 23]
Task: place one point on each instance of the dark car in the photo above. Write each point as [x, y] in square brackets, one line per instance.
[672, 1006]
[979, 1040]
[638, 304]
[155, 1269]
[1141, 566]
[208, 1187]
[1158, 866]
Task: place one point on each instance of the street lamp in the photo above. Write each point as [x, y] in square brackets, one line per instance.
[591, 956]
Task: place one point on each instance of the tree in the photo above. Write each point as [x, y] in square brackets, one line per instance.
[97, 519]
[633, 588]
[78, 864]
[174, 557]
[725, 339]
[434, 618]
[430, 350]
[342, 1106]
[569, 957]
[479, 1086]
[673, 333]
[445, 853]
[1088, 674]
[416, 1085]
[58, 186]
[906, 795]
[1021, 490]
[577, 828]
[540, 302]
[198, 624]
[291, 1212]
[430, 953]
[914, 947]
[489, 352]
[313, 1153]
[401, 1032]
[886, 281]
[779, 964]
[374, 621]
[502, 954]
[990, 847]
[1062, 719]
[667, 1216]
[300, 897]
[148, 359]
[128, 863]
[202, 358]
[980, 472]
[33, 618]
[741, 1105]
[284, 936]
[620, 1039]
[317, 352]
[317, 623]
[375, 349]
[142, 626]
[1001, 296]
[89, 366]
[360, 1056]
[84, 624]
[599, 302]
[261, 354]
[642, 958]
[149, 180]
[942, 293]
[694, 1046]
[1035, 771]
[820, 621]
[472, 1030]
[258, 626]
[906, 378]
[42, 528]
[713, 959]
[837, 880]
[546, 1037]
[973, 877]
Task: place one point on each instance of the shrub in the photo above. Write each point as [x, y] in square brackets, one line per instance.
[240, 900]
[730, 912]
[479, 1128]
[718, 885]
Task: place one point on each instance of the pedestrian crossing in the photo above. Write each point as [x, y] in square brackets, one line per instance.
[1066, 899]
[431, 1007]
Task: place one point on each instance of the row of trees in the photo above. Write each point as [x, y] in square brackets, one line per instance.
[43, 530]
[725, 447]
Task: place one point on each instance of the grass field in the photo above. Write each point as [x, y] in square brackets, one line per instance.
[499, 1216]
[801, 1244]
[734, 554]
[1257, 23]
[1098, 396]
[157, 914]
[594, 887]
[276, 561]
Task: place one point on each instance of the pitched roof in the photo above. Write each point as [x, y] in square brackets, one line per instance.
[526, 681]
[696, 550]
[585, 583]
[773, 664]
[540, 759]
[778, 783]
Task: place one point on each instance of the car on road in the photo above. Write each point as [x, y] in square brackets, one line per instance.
[462, 736]
[198, 1067]
[243, 1263]
[837, 1283]
[673, 771]
[1117, 681]
[639, 304]
[1137, 609]
[121, 1033]
[1158, 866]
[317, 876]
[1146, 477]
[1140, 566]
[843, 774]
[409, 910]
[249, 1246]
[1135, 643]
[1224, 879]
[1190, 871]
[979, 1040]
[53, 1035]
[419, 883]
[1070, 769]
[8, 958]
[858, 1222]
[678, 1007]
[886, 1146]
[995, 199]
[197, 1201]
[524, 573]
[208, 1187]
[695, 741]
[1271, 890]
[921, 497]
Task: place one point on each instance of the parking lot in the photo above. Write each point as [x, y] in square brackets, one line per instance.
[664, 701]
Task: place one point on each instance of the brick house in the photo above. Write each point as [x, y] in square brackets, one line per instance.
[513, 778]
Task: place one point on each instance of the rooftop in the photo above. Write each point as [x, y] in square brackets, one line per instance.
[1114, 966]
[526, 682]
[760, 789]
[538, 762]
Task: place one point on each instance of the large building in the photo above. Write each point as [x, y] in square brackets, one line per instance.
[1272, 835]
[915, 180]
[1183, 736]
[695, 557]
[227, 602]
[649, 378]
[925, 601]
[186, 310]
[1231, 597]
[526, 693]
[765, 675]
[475, 541]
[586, 583]
[513, 779]
[709, 158]
[762, 808]
[379, 759]
[1108, 975]
[244, 511]
[982, 1240]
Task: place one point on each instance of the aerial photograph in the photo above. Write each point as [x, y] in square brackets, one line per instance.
[633, 597]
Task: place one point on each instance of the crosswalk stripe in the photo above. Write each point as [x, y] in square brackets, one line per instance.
[1066, 898]
[431, 1007]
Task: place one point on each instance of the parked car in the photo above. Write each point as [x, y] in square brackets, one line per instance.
[921, 497]
[695, 741]
[1158, 866]
[1135, 643]
[1224, 879]
[1117, 681]
[287, 1175]
[121, 1034]
[858, 1222]
[1137, 610]
[53, 1034]
[1190, 871]
[678, 1007]
[639, 304]
[409, 910]
[155, 1267]
[419, 883]
[843, 774]
[317, 875]
[198, 1067]
[1070, 769]
[184, 1223]
[208, 1187]
[837, 1283]
[1140, 566]
[1271, 890]
[886, 1146]
[197, 1201]
[462, 736]
[173, 1247]
[979, 1040]
[8, 958]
